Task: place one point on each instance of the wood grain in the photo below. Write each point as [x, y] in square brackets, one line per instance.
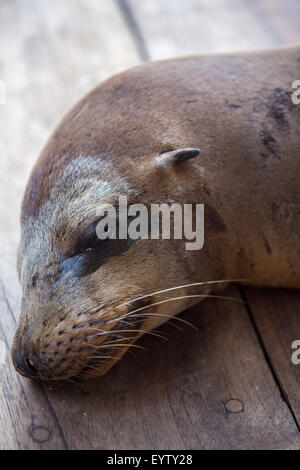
[27, 420]
[210, 388]
[276, 313]
[259, 25]
[173, 27]
[51, 53]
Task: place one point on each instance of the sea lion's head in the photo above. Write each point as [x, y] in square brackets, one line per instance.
[86, 300]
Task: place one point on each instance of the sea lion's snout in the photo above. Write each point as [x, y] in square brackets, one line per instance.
[53, 344]
[22, 351]
[25, 363]
[23, 354]
[133, 144]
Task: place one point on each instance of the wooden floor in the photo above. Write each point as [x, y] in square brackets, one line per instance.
[229, 385]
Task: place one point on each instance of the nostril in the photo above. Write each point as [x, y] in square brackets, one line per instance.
[31, 365]
[25, 364]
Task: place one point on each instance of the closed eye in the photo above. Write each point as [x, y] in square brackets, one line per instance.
[90, 242]
[93, 255]
[97, 243]
[91, 252]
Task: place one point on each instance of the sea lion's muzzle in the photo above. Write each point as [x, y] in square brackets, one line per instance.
[24, 357]
[64, 345]
[24, 362]
[22, 353]
[172, 133]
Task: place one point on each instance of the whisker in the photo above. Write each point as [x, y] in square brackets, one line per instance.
[118, 341]
[172, 299]
[112, 302]
[93, 368]
[112, 342]
[167, 316]
[90, 371]
[124, 331]
[120, 346]
[139, 319]
[103, 304]
[182, 287]
[101, 357]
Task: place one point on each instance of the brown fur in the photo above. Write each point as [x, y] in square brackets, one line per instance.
[237, 109]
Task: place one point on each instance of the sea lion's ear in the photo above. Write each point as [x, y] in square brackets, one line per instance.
[176, 156]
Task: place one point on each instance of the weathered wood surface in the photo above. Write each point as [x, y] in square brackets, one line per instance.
[232, 383]
[210, 388]
[276, 315]
[174, 27]
[51, 53]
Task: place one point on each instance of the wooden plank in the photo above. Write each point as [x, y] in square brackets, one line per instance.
[187, 29]
[58, 51]
[51, 53]
[27, 420]
[178, 395]
[281, 18]
[276, 313]
[173, 28]
[205, 389]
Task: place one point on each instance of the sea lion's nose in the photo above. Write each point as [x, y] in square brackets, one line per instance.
[24, 363]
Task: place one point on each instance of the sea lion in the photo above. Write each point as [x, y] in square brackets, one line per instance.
[221, 130]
